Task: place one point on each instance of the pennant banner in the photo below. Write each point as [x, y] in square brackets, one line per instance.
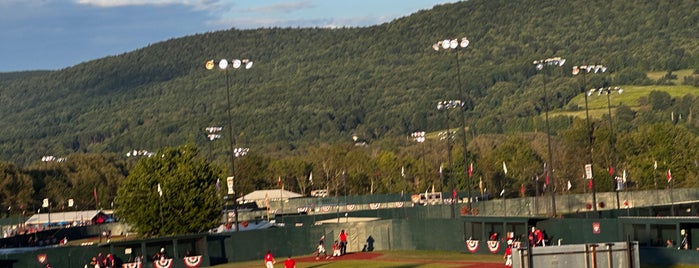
[472, 245]
[163, 263]
[132, 265]
[493, 246]
[192, 261]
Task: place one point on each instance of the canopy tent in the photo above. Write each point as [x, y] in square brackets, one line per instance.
[63, 218]
[270, 195]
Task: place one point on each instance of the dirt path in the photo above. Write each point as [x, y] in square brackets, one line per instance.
[378, 256]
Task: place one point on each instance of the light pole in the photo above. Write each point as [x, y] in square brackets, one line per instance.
[540, 64]
[586, 69]
[612, 169]
[456, 45]
[223, 65]
[212, 133]
[446, 105]
[419, 137]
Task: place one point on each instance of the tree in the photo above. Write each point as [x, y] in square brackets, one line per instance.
[16, 189]
[173, 192]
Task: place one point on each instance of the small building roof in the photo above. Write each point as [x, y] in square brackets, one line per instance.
[64, 217]
[271, 195]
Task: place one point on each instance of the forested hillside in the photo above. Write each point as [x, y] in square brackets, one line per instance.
[326, 84]
[316, 88]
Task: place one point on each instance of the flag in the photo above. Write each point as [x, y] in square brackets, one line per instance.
[521, 189]
[589, 184]
[279, 181]
[160, 190]
[441, 175]
[94, 193]
[480, 184]
[655, 165]
[470, 169]
[310, 178]
[611, 170]
[570, 185]
[504, 167]
[547, 178]
[669, 176]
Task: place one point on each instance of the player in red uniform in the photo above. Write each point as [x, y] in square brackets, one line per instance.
[269, 259]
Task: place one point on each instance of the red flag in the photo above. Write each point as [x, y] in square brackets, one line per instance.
[669, 176]
[589, 184]
[470, 169]
[522, 189]
[611, 170]
[547, 177]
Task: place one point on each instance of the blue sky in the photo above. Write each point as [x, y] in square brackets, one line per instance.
[55, 34]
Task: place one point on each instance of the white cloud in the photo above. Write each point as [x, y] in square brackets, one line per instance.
[118, 3]
[281, 7]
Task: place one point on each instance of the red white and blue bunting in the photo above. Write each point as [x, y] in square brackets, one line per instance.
[493, 246]
[375, 205]
[399, 204]
[192, 261]
[350, 207]
[132, 265]
[163, 263]
[472, 245]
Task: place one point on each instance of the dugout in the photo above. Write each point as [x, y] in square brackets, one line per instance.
[481, 229]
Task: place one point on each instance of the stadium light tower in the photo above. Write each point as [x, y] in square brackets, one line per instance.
[616, 182]
[223, 65]
[540, 65]
[584, 69]
[457, 45]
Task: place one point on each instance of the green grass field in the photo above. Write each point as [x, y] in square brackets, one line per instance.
[405, 259]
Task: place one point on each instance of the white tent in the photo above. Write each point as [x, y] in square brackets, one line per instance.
[270, 195]
[66, 217]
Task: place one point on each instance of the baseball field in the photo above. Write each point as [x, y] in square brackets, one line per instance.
[412, 259]
[399, 259]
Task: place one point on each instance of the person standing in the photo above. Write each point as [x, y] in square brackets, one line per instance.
[343, 242]
[684, 243]
[269, 259]
[508, 254]
[289, 263]
[539, 238]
